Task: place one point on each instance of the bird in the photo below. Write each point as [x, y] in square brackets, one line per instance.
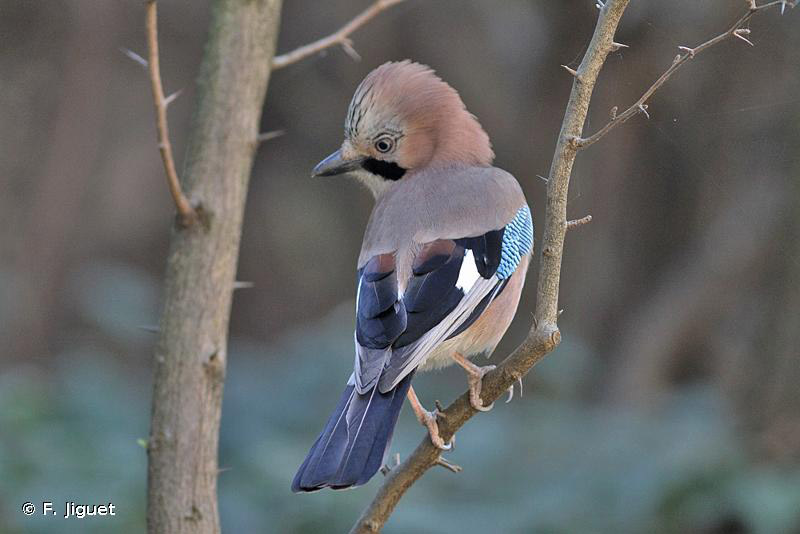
[441, 267]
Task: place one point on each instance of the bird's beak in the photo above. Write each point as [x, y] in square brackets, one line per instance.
[336, 164]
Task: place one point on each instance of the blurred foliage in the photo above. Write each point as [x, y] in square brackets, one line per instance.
[548, 462]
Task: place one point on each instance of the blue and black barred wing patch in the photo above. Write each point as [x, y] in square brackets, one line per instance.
[517, 242]
[503, 250]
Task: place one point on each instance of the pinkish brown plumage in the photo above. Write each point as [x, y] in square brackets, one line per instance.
[441, 267]
[409, 97]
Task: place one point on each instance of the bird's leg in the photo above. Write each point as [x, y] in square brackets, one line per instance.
[428, 420]
[475, 375]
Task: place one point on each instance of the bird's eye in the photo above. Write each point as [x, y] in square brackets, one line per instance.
[384, 144]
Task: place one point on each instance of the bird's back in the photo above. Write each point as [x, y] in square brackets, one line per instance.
[440, 203]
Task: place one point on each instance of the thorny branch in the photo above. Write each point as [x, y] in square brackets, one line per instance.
[544, 335]
[186, 213]
[736, 30]
[340, 37]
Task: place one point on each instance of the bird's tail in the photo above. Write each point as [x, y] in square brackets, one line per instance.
[351, 447]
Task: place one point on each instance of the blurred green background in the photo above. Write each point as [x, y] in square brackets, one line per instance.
[673, 403]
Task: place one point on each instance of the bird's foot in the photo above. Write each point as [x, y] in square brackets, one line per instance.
[475, 374]
[429, 420]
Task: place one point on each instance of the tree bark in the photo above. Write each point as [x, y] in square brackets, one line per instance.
[191, 352]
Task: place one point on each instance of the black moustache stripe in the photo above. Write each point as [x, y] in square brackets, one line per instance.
[388, 170]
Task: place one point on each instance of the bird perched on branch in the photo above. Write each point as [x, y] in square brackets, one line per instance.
[441, 267]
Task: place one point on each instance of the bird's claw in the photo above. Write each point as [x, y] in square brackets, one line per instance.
[430, 421]
[510, 393]
[475, 374]
[475, 383]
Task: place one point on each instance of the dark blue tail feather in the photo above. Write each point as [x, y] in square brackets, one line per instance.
[351, 447]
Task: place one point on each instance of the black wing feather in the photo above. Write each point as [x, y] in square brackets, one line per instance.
[486, 249]
[381, 317]
[385, 321]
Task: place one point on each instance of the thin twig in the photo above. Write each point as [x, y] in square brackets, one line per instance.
[340, 37]
[186, 213]
[544, 336]
[571, 225]
[640, 106]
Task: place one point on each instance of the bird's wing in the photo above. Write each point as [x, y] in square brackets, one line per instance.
[452, 281]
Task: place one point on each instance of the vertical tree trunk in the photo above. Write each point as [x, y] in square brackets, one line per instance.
[191, 353]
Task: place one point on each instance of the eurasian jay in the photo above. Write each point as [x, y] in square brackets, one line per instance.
[441, 267]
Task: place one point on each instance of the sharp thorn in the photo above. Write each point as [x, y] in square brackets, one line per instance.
[347, 46]
[618, 46]
[242, 285]
[740, 33]
[386, 468]
[643, 109]
[447, 465]
[571, 71]
[688, 50]
[134, 56]
[544, 179]
[266, 136]
[172, 97]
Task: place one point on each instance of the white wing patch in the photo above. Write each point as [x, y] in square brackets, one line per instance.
[468, 274]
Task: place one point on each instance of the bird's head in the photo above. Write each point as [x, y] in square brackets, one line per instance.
[404, 118]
